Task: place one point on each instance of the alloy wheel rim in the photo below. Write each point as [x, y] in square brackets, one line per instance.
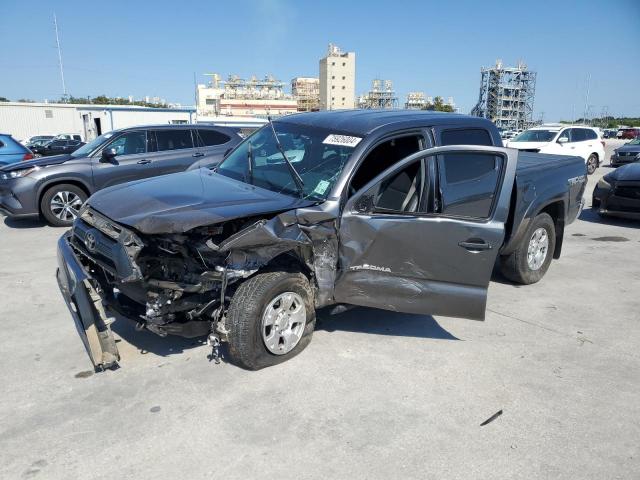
[592, 165]
[65, 205]
[538, 248]
[283, 323]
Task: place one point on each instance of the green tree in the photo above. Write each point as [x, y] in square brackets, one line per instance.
[4, 99]
[438, 105]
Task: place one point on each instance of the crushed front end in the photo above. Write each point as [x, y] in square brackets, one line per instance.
[169, 284]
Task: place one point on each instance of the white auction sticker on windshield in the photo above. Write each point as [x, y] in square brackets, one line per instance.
[321, 187]
[342, 140]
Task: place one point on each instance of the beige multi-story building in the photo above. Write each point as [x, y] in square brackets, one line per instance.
[306, 91]
[337, 79]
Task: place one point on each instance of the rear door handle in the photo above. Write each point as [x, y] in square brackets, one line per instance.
[198, 154]
[144, 161]
[475, 245]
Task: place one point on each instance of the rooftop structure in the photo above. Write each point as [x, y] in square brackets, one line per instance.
[381, 95]
[246, 98]
[506, 96]
[415, 101]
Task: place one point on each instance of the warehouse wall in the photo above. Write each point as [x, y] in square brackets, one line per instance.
[24, 120]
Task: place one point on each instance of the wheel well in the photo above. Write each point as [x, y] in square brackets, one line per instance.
[556, 211]
[75, 183]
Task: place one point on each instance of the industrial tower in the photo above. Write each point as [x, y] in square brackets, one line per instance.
[506, 96]
[381, 95]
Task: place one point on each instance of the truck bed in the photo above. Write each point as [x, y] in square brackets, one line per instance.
[535, 162]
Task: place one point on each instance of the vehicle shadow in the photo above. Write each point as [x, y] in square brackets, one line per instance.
[382, 322]
[148, 342]
[28, 222]
[591, 215]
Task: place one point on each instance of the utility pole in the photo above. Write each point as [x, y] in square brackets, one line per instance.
[586, 100]
[64, 87]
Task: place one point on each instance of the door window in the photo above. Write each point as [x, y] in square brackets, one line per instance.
[130, 143]
[465, 136]
[578, 135]
[209, 138]
[469, 183]
[173, 139]
[566, 135]
[590, 134]
[383, 156]
[403, 191]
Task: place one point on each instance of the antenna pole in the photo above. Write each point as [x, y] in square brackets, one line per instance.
[64, 87]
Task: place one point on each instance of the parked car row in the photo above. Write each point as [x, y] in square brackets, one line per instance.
[55, 187]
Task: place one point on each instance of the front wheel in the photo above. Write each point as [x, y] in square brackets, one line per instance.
[531, 259]
[592, 163]
[271, 319]
[61, 203]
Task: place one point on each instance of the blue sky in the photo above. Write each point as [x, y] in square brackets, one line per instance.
[138, 48]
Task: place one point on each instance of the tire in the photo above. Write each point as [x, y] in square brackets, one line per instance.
[55, 210]
[248, 329]
[517, 266]
[592, 163]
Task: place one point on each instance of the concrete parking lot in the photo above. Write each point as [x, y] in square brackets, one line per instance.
[376, 394]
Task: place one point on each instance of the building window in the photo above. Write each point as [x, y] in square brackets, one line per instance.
[333, 64]
[343, 87]
[344, 64]
[343, 77]
[333, 77]
[332, 99]
[343, 100]
[48, 114]
[210, 101]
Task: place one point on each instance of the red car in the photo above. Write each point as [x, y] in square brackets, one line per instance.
[628, 133]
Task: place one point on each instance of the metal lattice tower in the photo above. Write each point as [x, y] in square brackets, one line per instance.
[506, 96]
[381, 95]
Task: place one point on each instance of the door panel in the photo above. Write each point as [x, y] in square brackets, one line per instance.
[131, 163]
[422, 262]
[175, 151]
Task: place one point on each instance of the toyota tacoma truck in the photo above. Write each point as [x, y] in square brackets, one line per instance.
[398, 210]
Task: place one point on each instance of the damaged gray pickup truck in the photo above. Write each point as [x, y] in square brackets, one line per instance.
[398, 210]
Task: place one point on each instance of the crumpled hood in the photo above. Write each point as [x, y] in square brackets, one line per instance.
[627, 173]
[38, 162]
[526, 145]
[179, 202]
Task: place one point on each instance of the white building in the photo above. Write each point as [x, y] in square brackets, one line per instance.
[24, 120]
[237, 97]
[337, 79]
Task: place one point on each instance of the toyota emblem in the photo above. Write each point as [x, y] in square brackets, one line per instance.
[90, 242]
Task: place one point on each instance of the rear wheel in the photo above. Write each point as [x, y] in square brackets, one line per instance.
[61, 203]
[531, 260]
[271, 319]
[592, 163]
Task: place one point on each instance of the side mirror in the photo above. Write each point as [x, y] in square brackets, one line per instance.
[108, 154]
[563, 140]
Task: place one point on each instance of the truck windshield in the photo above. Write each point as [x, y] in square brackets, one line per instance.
[535, 136]
[318, 155]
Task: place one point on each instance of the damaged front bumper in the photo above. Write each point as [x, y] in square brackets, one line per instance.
[81, 294]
